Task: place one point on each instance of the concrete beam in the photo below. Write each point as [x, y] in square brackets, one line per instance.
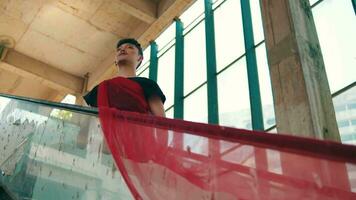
[28, 67]
[56, 96]
[105, 70]
[142, 9]
[163, 5]
[302, 97]
[168, 10]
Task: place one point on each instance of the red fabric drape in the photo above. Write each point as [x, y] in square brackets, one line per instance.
[163, 158]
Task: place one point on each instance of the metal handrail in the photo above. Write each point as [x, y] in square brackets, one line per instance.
[70, 107]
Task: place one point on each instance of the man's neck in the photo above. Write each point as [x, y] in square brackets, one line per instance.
[127, 71]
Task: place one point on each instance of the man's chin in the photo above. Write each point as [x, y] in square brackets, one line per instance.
[123, 62]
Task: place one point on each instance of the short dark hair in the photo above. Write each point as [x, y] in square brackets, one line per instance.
[130, 41]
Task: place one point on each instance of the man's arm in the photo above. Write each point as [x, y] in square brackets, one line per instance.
[156, 106]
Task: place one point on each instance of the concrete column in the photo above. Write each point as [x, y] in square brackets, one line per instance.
[302, 98]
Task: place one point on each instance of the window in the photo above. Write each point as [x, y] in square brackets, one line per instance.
[233, 96]
[166, 37]
[265, 86]
[337, 41]
[165, 76]
[196, 106]
[194, 58]
[346, 117]
[143, 69]
[256, 21]
[228, 33]
[192, 13]
[170, 113]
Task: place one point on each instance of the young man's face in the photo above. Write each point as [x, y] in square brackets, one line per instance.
[128, 53]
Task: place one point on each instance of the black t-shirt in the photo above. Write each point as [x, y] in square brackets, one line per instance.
[150, 88]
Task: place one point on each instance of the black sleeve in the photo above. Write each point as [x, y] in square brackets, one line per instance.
[150, 88]
[91, 97]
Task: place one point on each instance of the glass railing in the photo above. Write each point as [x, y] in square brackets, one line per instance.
[54, 151]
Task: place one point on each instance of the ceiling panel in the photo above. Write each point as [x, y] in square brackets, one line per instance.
[20, 9]
[75, 36]
[56, 53]
[111, 18]
[11, 27]
[85, 9]
[14, 84]
[73, 32]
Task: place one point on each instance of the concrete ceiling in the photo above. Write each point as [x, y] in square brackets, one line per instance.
[52, 44]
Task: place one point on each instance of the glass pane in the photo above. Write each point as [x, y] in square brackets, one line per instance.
[217, 3]
[256, 21]
[228, 33]
[69, 99]
[335, 22]
[142, 70]
[195, 144]
[274, 130]
[265, 87]
[345, 110]
[194, 58]
[145, 73]
[166, 48]
[46, 157]
[146, 60]
[233, 96]
[311, 2]
[165, 76]
[192, 13]
[166, 36]
[146, 55]
[170, 113]
[196, 106]
[3, 104]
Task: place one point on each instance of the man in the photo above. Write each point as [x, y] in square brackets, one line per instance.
[129, 56]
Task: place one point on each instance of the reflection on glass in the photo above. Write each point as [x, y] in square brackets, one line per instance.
[243, 155]
[337, 41]
[274, 161]
[233, 96]
[192, 13]
[228, 33]
[194, 58]
[44, 157]
[265, 87]
[345, 111]
[195, 144]
[196, 106]
[256, 21]
[165, 76]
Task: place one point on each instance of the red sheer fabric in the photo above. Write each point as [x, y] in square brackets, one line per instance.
[162, 158]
